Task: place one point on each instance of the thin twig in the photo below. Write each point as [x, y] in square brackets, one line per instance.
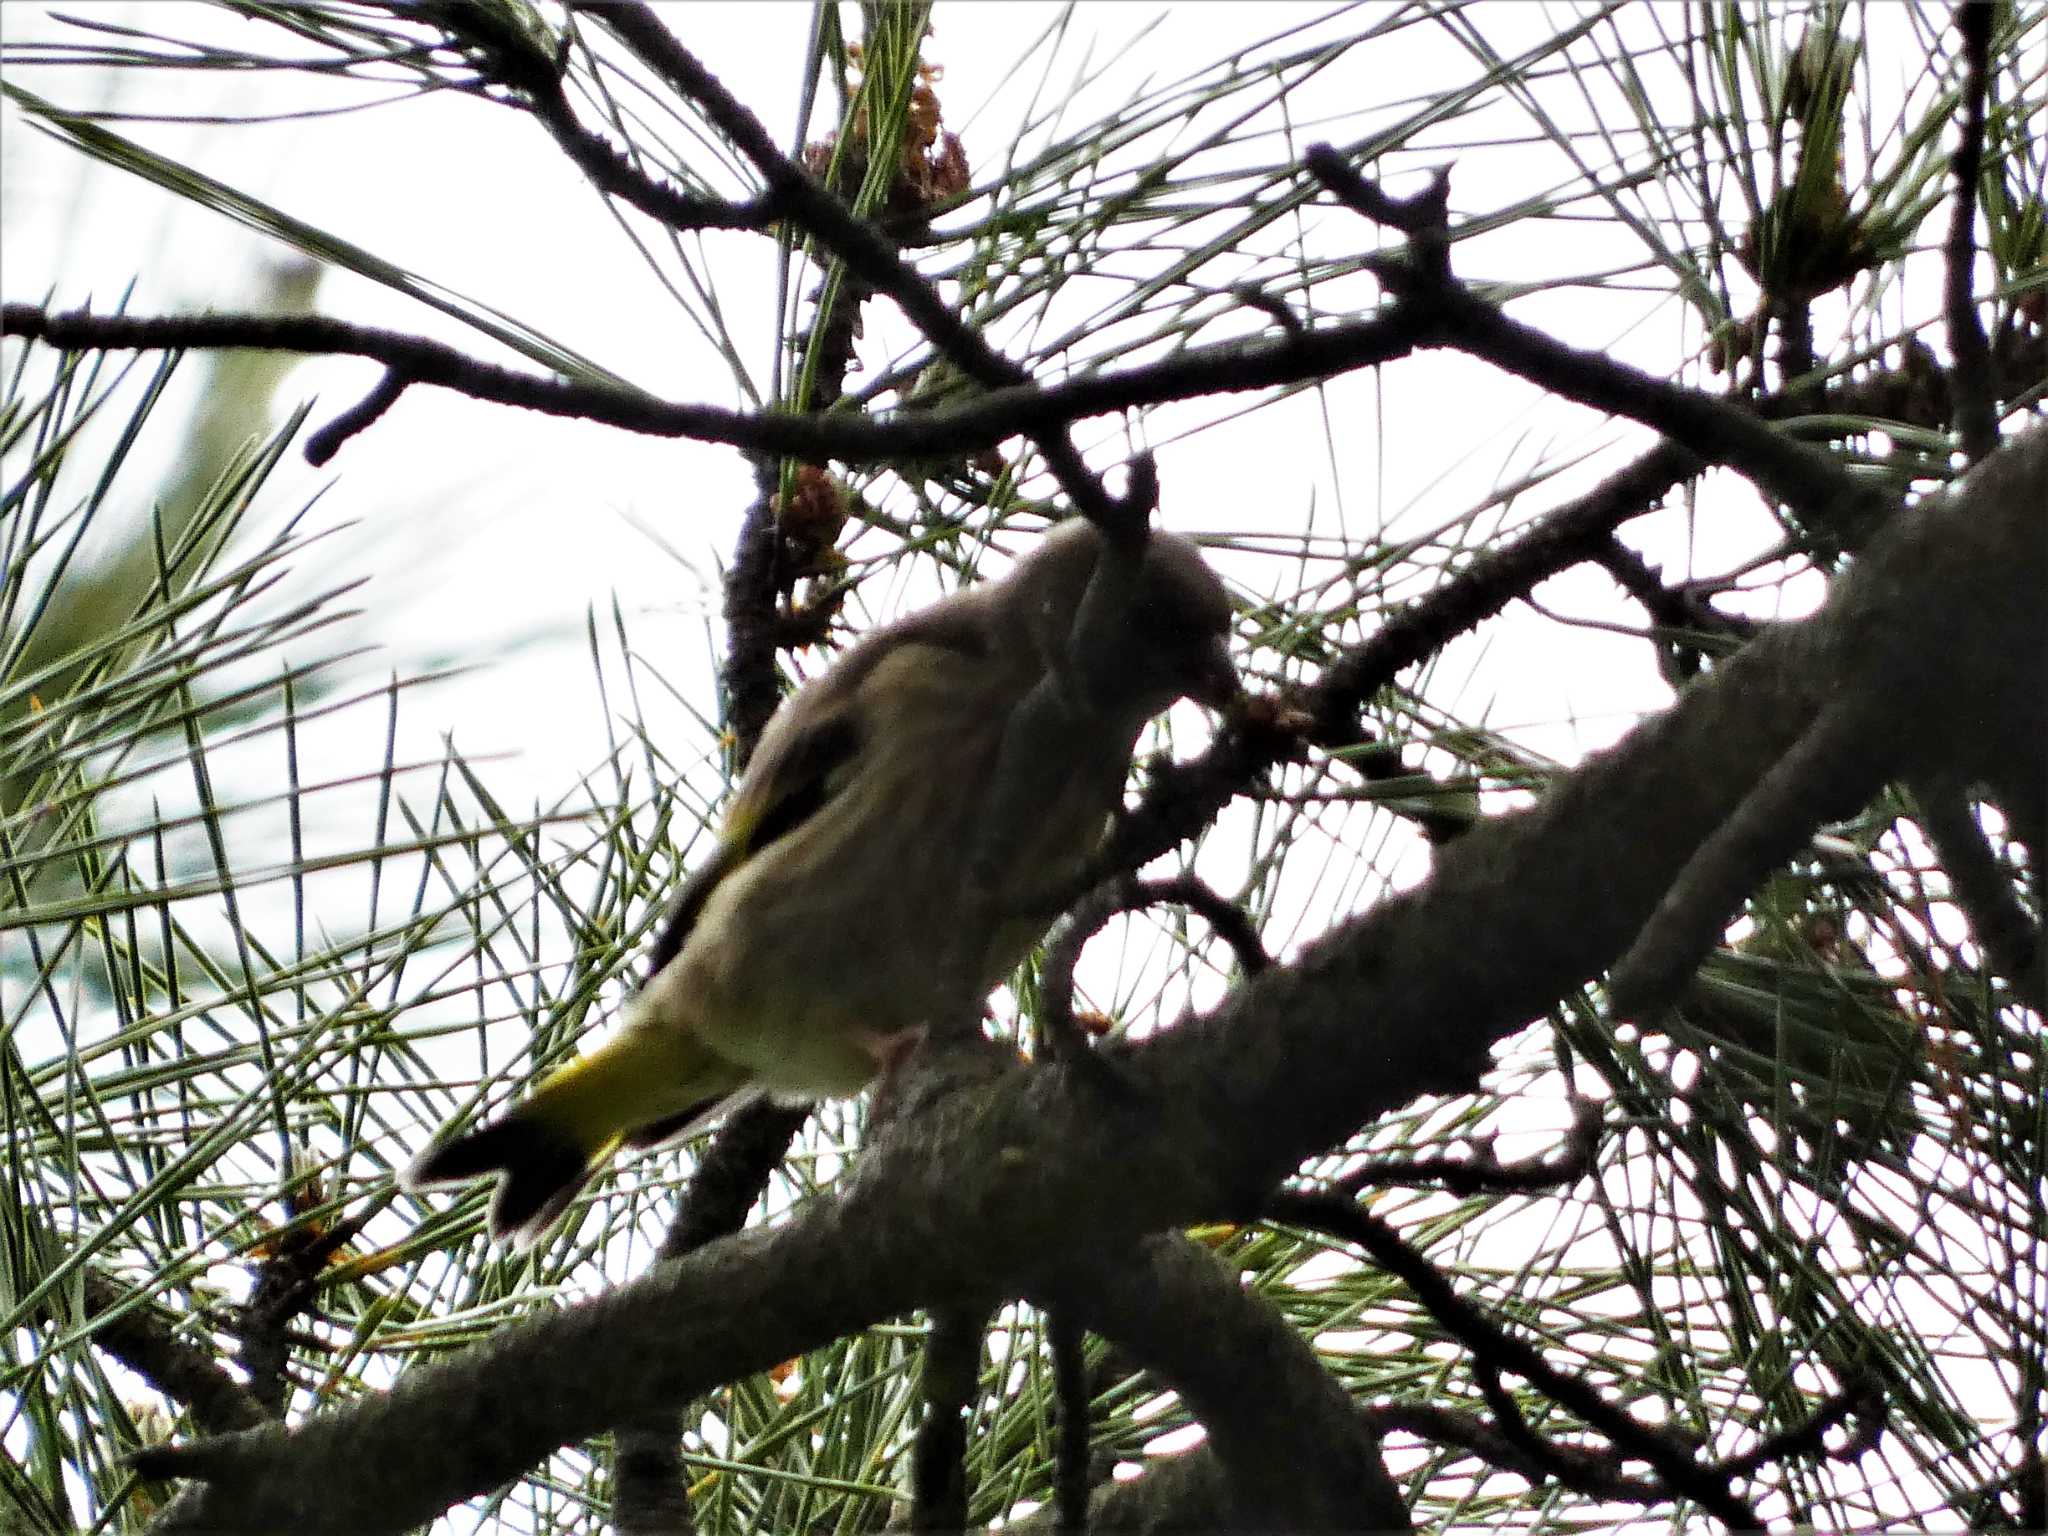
[1088, 917]
[979, 422]
[1983, 888]
[1482, 1173]
[1682, 617]
[951, 1376]
[1576, 1467]
[1071, 1402]
[324, 443]
[1673, 1460]
[1976, 416]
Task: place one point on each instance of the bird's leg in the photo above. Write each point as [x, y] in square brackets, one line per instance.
[891, 1048]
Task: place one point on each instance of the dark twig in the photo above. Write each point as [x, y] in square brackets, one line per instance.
[1062, 1035]
[1976, 416]
[1071, 1403]
[1513, 1424]
[1673, 1460]
[868, 254]
[1809, 480]
[1426, 213]
[1183, 798]
[1436, 311]
[954, 432]
[1682, 618]
[1483, 1173]
[1582, 1470]
[1818, 778]
[1572, 533]
[938, 1464]
[1863, 1402]
[142, 1339]
[1597, 1473]
[510, 59]
[1275, 308]
[1983, 888]
[325, 442]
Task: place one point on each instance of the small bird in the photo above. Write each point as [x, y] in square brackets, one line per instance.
[810, 949]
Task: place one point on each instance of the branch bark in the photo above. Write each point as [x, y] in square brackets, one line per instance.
[985, 1166]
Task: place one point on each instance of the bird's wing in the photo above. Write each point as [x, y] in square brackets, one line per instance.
[809, 752]
[792, 776]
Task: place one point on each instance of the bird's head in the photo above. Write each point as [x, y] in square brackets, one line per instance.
[1141, 646]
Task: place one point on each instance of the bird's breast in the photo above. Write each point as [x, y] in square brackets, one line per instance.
[840, 930]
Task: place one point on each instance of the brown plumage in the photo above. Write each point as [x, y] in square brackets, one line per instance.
[811, 942]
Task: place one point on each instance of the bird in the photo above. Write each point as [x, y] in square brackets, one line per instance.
[806, 954]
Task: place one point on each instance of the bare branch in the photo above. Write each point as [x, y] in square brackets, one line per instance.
[867, 254]
[1185, 797]
[1483, 1173]
[1056, 995]
[1974, 384]
[1070, 1400]
[951, 1377]
[985, 1166]
[139, 1336]
[1811, 482]
[983, 422]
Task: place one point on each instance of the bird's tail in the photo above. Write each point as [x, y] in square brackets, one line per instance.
[544, 1150]
[540, 1166]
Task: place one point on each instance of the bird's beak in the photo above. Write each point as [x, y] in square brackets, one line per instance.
[1216, 682]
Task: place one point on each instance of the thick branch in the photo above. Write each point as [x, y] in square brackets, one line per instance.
[1298, 1456]
[980, 1174]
